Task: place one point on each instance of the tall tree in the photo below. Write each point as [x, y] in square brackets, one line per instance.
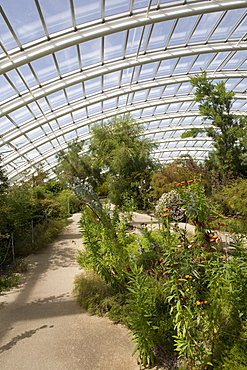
[120, 149]
[75, 166]
[226, 129]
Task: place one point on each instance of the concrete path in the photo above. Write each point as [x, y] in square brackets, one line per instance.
[42, 327]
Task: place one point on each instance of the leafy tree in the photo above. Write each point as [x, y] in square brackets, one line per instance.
[226, 130]
[181, 169]
[119, 149]
[74, 166]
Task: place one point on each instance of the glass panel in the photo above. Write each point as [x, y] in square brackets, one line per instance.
[114, 7]
[5, 125]
[231, 83]
[43, 105]
[145, 37]
[139, 96]
[159, 34]
[166, 67]
[57, 99]
[64, 120]
[217, 60]
[88, 11]
[109, 104]
[241, 30]
[94, 109]
[170, 90]
[79, 114]
[201, 62]
[182, 30]
[45, 147]
[236, 59]
[174, 107]
[83, 130]
[45, 68]
[35, 134]
[136, 74]
[126, 76]
[28, 75]
[34, 108]
[205, 26]
[122, 100]
[114, 45]
[147, 111]
[27, 25]
[74, 92]
[46, 128]
[133, 40]
[67, 60]
[57, 14]
[227, 24]
[155, 92]
[90, 52]
[148, 71]
[185, 106]
[160, 109]
[16, 80]
[20, 115]
[6, 89]
[241, 87]
[70, 136]
[243, 66]
[184, 64]
[6, 36]
[185, 88]
[140, 4]
[93, 85]
[110, 80]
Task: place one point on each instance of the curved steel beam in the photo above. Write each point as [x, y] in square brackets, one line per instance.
[114, 66]
[59, 41]
[31, 125]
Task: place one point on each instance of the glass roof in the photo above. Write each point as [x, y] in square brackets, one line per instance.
[67, 64]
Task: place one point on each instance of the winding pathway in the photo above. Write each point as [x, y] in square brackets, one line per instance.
[42, 327]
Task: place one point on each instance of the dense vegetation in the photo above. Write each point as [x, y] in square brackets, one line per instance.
[30, 217]
[176, 291]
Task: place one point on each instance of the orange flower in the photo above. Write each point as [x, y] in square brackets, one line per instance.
[165, 209]
[198, 303]
[203, 313]
[189, 181]
[165, 215]
[179, 184]
[214, 237]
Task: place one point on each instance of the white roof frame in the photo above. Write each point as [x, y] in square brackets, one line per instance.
[161, 101]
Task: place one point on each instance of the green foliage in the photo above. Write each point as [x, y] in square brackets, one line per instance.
[90, 291]
[232, 199]
[178, 292]
[29, 218]
[119, 149]
[228, 131]
[76, 165]
[181, 169]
